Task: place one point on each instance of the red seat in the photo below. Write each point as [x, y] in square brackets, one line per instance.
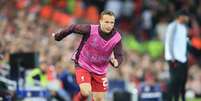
[196, 42]
[46, 12]
[61, 19]
[92, 14]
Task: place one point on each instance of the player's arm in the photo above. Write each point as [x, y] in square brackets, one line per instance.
[82, 29]
[117, 59]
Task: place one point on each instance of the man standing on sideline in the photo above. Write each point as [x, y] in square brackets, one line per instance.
[176, 55]
[94, 54]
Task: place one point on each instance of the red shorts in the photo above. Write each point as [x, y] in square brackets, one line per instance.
[99, 83]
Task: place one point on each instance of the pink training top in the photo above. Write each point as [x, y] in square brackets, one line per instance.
[96, 52]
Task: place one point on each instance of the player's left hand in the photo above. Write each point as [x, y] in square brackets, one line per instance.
[114, 62]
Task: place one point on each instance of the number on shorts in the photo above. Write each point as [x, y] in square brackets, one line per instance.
[105, 83]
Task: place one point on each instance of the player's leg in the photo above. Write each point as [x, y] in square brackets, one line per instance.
[176, 83]
[184, 71]
[83, 79]
[172, 83]
[85, 89]
[99, 96]
[99, 87]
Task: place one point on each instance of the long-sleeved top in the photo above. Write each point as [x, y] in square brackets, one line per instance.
[176, 42]
[84, 29]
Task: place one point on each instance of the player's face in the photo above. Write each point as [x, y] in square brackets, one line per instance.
[184, 19]
[107, 23]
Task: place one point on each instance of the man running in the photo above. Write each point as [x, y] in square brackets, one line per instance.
[94, 54]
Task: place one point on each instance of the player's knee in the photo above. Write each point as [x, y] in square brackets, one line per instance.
[98, 98]
[85, 90]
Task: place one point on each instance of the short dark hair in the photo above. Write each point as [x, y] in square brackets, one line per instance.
[107, 12]
[182, 12]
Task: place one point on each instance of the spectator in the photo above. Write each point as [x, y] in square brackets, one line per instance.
[68, 80]
[176, 55]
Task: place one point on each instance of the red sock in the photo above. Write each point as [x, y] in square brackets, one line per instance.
[80, 97]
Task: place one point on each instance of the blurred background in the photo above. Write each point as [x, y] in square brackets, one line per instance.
[33, 66]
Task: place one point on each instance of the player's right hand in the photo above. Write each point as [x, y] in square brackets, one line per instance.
[53, 34]
[57, 32]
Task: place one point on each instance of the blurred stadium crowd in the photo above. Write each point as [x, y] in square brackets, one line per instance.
[26, 26]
